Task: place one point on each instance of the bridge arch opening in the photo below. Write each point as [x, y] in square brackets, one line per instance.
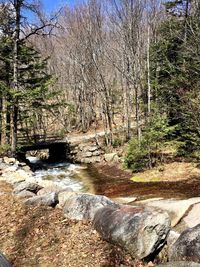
[57, 152]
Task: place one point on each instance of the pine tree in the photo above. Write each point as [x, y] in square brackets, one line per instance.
[24, 80]
[176, 70]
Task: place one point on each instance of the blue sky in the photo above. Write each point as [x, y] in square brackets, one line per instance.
[51, 5]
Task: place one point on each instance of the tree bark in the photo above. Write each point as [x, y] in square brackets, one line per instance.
[14, 112]
[3, 121]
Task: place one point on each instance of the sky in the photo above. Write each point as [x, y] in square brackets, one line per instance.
[52, 5]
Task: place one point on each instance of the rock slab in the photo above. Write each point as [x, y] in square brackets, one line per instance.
[139, 230]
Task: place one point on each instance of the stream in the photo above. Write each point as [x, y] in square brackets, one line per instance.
[63, 174]
[86, 178]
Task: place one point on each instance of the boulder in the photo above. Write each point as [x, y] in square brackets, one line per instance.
[9, 161]
[53, 188]
[3, 261]
[32, 187]
[22, 164]
[96, 153]
[111, 157]
[10, 169]
[175, 208]
[171, 238]
[50, 199]
[141, 231]
[178, 264]
[26, 168]
[15, 176]
[86, 154]
[25, 194]
[187, 246]
[193, 216]
[46, 183]
[82, 206]
[93, 159]
[63, 197]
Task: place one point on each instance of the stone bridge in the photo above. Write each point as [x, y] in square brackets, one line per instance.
[80, 149]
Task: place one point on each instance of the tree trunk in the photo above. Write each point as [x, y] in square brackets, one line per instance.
[148, 75]
[14, 113]
[4, 121]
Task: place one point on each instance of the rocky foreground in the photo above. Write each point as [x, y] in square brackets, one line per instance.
[44, 225]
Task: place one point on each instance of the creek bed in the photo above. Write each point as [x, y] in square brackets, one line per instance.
[113, 182]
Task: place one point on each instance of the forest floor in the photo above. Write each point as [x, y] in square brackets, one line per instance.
[41, 237]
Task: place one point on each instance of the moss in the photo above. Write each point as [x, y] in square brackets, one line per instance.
[139, 179]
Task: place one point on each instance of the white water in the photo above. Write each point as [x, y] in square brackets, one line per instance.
[63, 174]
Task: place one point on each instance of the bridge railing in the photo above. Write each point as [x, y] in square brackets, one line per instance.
[35, 139]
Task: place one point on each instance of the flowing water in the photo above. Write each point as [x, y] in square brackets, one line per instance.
[82, 178]
[63, 174]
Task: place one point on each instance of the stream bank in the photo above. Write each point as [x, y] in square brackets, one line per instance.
[113, 181]
[146, 210]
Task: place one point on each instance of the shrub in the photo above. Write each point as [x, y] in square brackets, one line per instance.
[148, 152]
[4, 149]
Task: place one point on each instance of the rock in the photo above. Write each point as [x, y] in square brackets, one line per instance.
[10, 169]
[53, 188]
[96, 153]
[86, 154]
[22, 164]
[16, 176]
[91, 160]
[26, 168]
[3, 261]
[32, 187]
[63, 197]
[50, 199]
[10, 161]
[175, 208]
[82, 206]
[187, 246]
[141, 231]
[46, 183]
[93, 148]
[178, 264]
[111, 157]
[124, 200]
[172, 237]
[193, 216]
[25, 194]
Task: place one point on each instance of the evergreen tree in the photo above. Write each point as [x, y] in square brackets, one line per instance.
[24, 81]
[176, 69]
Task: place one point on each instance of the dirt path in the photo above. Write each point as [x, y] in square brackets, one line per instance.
[41, 237]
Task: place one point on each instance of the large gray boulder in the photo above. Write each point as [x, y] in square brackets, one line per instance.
[28, 186]
[187, 246]
[82, 206]
[179, 264]
[53, 188]
[25, 194]
[50, 199]
[3, 261]
[141, 231]
[63, 197]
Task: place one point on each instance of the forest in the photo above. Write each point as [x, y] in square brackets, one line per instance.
[130, 67]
